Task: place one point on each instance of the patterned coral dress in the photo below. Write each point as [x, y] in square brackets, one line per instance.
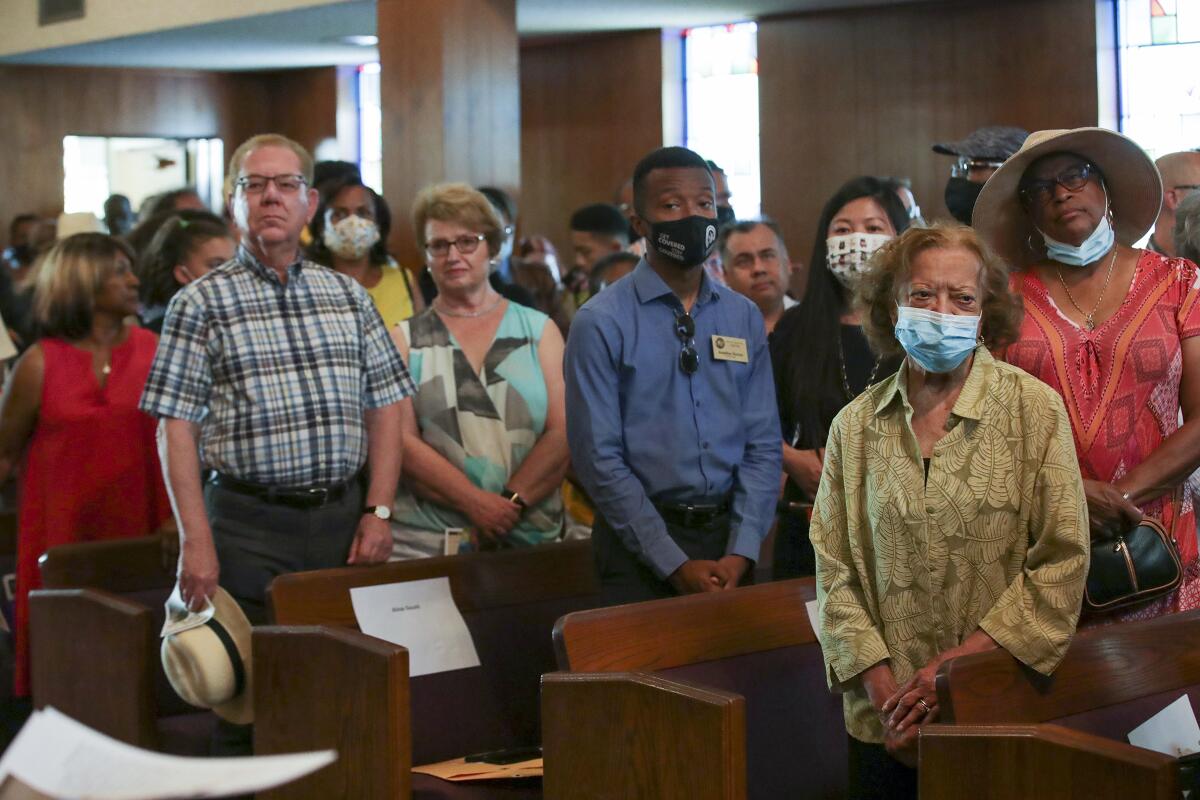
[1120, 383]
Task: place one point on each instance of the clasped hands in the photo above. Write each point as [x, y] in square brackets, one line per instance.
[700, 575]
[903, 709]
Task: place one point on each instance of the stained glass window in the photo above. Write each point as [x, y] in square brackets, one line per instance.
[1159, 63]
[721, 106]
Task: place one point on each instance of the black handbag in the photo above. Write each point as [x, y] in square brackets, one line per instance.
[1136, 567]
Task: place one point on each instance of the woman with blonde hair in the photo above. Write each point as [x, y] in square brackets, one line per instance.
[88, 462]
[485, 447]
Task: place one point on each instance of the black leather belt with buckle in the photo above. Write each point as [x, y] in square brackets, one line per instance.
[692, 515]
[293, 497]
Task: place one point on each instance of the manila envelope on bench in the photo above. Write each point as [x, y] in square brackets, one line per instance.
[459, 769]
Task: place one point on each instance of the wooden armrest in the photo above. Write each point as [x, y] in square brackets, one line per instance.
[93, 658]
[629, 735]
[318, 688]
[1029, 762]
[117, 565]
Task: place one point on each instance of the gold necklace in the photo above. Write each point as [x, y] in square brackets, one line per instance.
[438, 307]
[1089, 320]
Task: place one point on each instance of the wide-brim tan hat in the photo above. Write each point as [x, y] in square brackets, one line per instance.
[1133, 183]
[209, 665]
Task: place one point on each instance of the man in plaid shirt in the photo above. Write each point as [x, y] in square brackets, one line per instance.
[275, 382]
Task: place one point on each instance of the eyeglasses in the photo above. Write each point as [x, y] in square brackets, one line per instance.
[257, 184]
[685, 329]
[1041, 190]
[964, 167]
[1189, 186]
[465, 245]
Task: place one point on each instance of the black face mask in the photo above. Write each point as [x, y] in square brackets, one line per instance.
[725, 216]
[961, 195]
[686, 241]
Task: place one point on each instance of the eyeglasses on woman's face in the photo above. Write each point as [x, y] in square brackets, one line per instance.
[1040, 191]
[465, 245]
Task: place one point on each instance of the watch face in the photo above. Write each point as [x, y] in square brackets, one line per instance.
[383, 512]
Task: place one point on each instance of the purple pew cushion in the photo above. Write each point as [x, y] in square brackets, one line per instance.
[795, 731]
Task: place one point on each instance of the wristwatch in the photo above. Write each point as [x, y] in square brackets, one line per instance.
[513, 497]
[383, 512]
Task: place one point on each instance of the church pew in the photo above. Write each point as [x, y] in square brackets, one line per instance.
[1074, 722]
[509, 600]
[96, 624]
[736, 675]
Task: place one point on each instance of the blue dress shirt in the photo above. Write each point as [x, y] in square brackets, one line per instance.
[641, 430]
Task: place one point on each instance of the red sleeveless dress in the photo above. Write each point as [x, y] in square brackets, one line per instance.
[91, 471]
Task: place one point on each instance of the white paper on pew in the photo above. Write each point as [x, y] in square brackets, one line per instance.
[814, 615]
[57, 756]
[421, 616]
[1173, 730]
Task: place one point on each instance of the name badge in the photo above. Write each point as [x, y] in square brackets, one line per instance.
[730, 348]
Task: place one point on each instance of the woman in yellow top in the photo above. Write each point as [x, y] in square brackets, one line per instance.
[349, 234]
[950, 517]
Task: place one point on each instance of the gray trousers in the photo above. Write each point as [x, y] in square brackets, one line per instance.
[257, 540]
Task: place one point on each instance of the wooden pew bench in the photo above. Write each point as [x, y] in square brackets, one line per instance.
[718, 696]
[1023, 735]
[509, 600]
[95, 647]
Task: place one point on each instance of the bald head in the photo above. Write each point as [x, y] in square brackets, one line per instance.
[1181, 177]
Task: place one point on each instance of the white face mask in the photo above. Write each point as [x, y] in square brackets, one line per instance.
[351, 238]
[848, 254]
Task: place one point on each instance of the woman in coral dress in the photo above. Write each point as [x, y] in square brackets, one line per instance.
[1114, 329]
[88, 462]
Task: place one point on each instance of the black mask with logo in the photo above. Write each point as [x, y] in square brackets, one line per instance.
[687, 241]
[961, 195]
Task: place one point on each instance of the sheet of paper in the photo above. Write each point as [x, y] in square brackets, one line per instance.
[421, 616]
[814, 616]
[62, 758]
[457, 769]
[1172, 731]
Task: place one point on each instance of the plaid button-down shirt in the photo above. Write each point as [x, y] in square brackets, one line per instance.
[277, 375]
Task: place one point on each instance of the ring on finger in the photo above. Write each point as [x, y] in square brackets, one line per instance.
[924, 706]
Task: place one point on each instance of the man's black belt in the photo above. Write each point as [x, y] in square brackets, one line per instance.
[692, 515]
[293, 497]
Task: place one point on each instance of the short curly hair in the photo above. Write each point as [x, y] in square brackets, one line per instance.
[458, 203]
[879, 289]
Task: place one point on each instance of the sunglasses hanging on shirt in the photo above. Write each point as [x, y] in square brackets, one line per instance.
[685, 329]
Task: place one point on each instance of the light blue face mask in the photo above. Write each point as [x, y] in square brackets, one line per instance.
[1090, 250]
[1098, 242]
[936, 342]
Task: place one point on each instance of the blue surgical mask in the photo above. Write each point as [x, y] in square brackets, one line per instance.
[1099, 242]
[936, 342]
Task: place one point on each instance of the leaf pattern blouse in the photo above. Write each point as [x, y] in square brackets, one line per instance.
[996, 537]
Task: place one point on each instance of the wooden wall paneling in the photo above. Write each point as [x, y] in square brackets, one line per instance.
[591, 107]
[449, 100]
[44, 104]
[869, 90]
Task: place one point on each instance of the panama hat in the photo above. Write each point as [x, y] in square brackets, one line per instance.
[209, 665]
[1130, 177]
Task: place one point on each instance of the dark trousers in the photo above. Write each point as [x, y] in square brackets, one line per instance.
[255, 542]
[793, 553]
[624, 578]
[875, 775]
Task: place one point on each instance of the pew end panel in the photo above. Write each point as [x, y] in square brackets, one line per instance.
[116, 640]
[1038, 762]
[318, 688]
[632, 735]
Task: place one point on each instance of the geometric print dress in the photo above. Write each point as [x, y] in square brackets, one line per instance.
[1120, 384]
[483, 423]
